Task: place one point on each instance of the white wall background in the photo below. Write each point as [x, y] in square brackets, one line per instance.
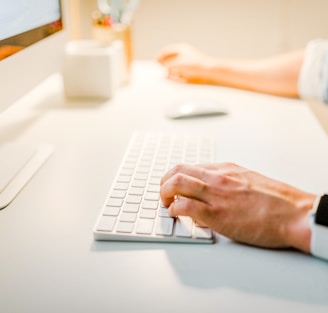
[229, 28]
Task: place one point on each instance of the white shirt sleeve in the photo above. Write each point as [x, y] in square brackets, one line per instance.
[313, 79]
[319, 241]
[319, 234]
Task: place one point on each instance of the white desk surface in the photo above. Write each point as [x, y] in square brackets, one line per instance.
[49, 261]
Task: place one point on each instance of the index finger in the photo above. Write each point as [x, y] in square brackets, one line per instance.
[183, 185]
[195, 171]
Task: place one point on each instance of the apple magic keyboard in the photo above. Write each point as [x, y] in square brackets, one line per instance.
[133, 210]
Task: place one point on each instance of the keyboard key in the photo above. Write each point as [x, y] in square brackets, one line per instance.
[133, 199]
[126, 171]
[118, 194]
[106, 223]
[136, 191]
[163, 212]
[125, 227]
[111, 210]
[142, 169]
[202, 232]
[157, 174]
[144, 213]
[152, 205]
[121, 186]
[183, 226]
[139, 183]
[130, 164]
[164, 226]
[124, 179]
[141, 176]
[128, 217]
[153, 188]
[155, 180]
[131, 207]
[154, 196]
[160, 167]
[114, 202]
[144, 226]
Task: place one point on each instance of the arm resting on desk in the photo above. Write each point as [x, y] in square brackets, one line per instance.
[302, 73]
[276, 75]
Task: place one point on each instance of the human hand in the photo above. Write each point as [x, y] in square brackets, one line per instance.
[186, 64]
[240, 204]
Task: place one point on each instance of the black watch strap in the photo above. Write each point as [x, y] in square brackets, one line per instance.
[321, 216]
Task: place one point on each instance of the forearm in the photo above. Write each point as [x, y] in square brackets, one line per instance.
[276, 75]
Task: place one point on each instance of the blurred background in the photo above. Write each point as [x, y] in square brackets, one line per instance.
[222, 28]
[227, 28]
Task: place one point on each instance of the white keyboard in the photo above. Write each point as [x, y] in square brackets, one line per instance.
[133, 210]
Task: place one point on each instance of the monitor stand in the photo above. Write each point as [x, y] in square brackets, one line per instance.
[18, 164]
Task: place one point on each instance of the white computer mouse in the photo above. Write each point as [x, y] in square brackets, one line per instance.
[194, 108]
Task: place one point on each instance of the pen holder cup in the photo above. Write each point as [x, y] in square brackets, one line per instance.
[106, 34]
[92, 69]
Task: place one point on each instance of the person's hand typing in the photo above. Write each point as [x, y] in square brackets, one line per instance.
[240, 204]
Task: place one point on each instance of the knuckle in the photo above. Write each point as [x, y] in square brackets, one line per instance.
[203, 187]
[177, 168]
[220, 179]
[178, 179]
[229, 166]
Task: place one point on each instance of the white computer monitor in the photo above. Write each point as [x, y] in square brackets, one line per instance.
[32, 39]
[34, 33]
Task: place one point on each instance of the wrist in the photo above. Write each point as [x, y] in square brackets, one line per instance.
[223, 72]
[299, 229]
